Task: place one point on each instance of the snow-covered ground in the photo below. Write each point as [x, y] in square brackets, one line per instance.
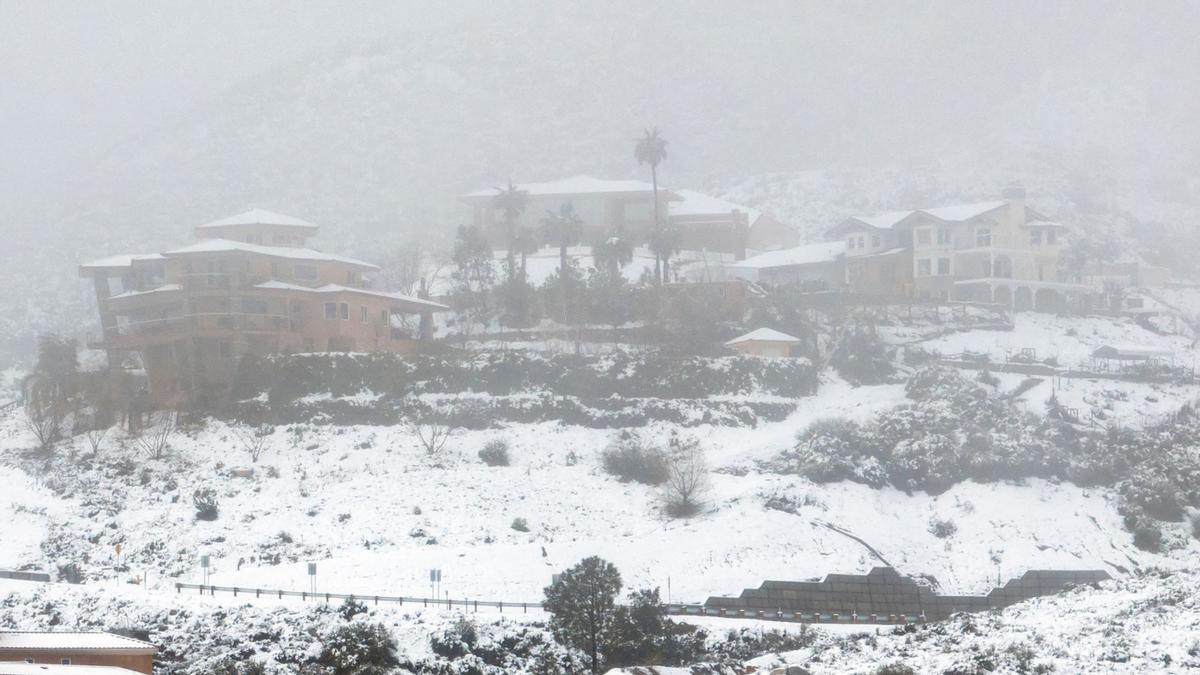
[377, 513]
[1070, 340]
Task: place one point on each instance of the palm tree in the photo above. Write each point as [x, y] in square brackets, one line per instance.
[563, 227]
[664, 241]
[511, 202]
[651, 149]
[525, 242]
[611, 252]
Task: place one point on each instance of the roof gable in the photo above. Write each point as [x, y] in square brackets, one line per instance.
[764, 335]
[259, 217]
[578, 185]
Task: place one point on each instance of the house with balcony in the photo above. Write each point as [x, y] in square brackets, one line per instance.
[249, 285]
[1001, 252]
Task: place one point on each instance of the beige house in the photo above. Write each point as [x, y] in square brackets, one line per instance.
[1001, 252]
[765, 342]
[191, 313]
[704, 223]
[603, 205]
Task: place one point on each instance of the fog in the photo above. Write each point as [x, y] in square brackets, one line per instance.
[126, 123]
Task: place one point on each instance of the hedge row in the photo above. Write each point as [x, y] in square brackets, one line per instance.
[286, 378]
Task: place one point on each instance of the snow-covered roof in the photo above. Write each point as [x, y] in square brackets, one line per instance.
[764, 335]
[226, 245]
[694, 203]
[73, 640]
[961, 212]
[1130, 352]
[22, 668]
[120, 261]
[807, 254]
[165, 288]
[952, 214]
[259, 217]
[577, 185]
[412, 302]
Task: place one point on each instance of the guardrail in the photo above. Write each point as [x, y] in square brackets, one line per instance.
[259, 593]
[524, 607]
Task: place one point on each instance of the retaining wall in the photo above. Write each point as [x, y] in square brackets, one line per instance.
[884, 592]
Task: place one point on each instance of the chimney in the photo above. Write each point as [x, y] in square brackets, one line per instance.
[1014, 194]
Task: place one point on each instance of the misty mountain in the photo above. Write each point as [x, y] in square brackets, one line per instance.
[373, 140]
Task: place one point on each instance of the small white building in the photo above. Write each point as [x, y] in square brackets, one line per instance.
[765, 342]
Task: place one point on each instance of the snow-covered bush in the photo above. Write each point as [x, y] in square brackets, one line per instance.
[955, 430]
[862, 358]
[629, 457]
[520, 525]
[359, 648]
[205, 502]
[495, 453]
[942, 528]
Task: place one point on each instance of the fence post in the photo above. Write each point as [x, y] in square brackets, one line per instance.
[501, 607]
[258, 592]
[235, 591]
[377, 600]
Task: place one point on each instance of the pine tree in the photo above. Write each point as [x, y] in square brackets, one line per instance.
[582, 606]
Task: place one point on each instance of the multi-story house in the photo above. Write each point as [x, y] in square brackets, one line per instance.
[250, 285]
[703, 223]
[999, 252]
[603, 206]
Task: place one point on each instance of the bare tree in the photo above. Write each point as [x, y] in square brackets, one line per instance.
[155, 437]
[432, 435]
[95, 437]
[254, 440]
[687, 479]
[43, 419]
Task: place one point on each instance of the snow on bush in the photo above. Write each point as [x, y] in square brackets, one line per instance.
[956, 430]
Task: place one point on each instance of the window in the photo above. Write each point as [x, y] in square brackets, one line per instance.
[862, 241]
[875, 241]
[351, 278]
[943, 236]
[305, 272]
[1035, 237]
[254, 306]
[330, 311]
[345, 307]
[923, 237]
[850, 242]
[362, 313]
[923, 267]
[1051, 237]
[384, 317]
[983, 236]
[64, 662]
[215, 271]
[943, 267]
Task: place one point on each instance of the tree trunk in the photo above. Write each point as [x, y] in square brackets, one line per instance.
[658, 273]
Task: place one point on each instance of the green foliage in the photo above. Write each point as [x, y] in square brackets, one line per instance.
[359, 648]
[582, 606]
[862, 358]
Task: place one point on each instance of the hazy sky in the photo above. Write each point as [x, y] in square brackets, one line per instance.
[80, 77]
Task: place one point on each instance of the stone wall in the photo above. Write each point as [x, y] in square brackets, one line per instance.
[883, 595]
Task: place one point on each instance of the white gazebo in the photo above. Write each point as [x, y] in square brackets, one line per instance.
[765, 342]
